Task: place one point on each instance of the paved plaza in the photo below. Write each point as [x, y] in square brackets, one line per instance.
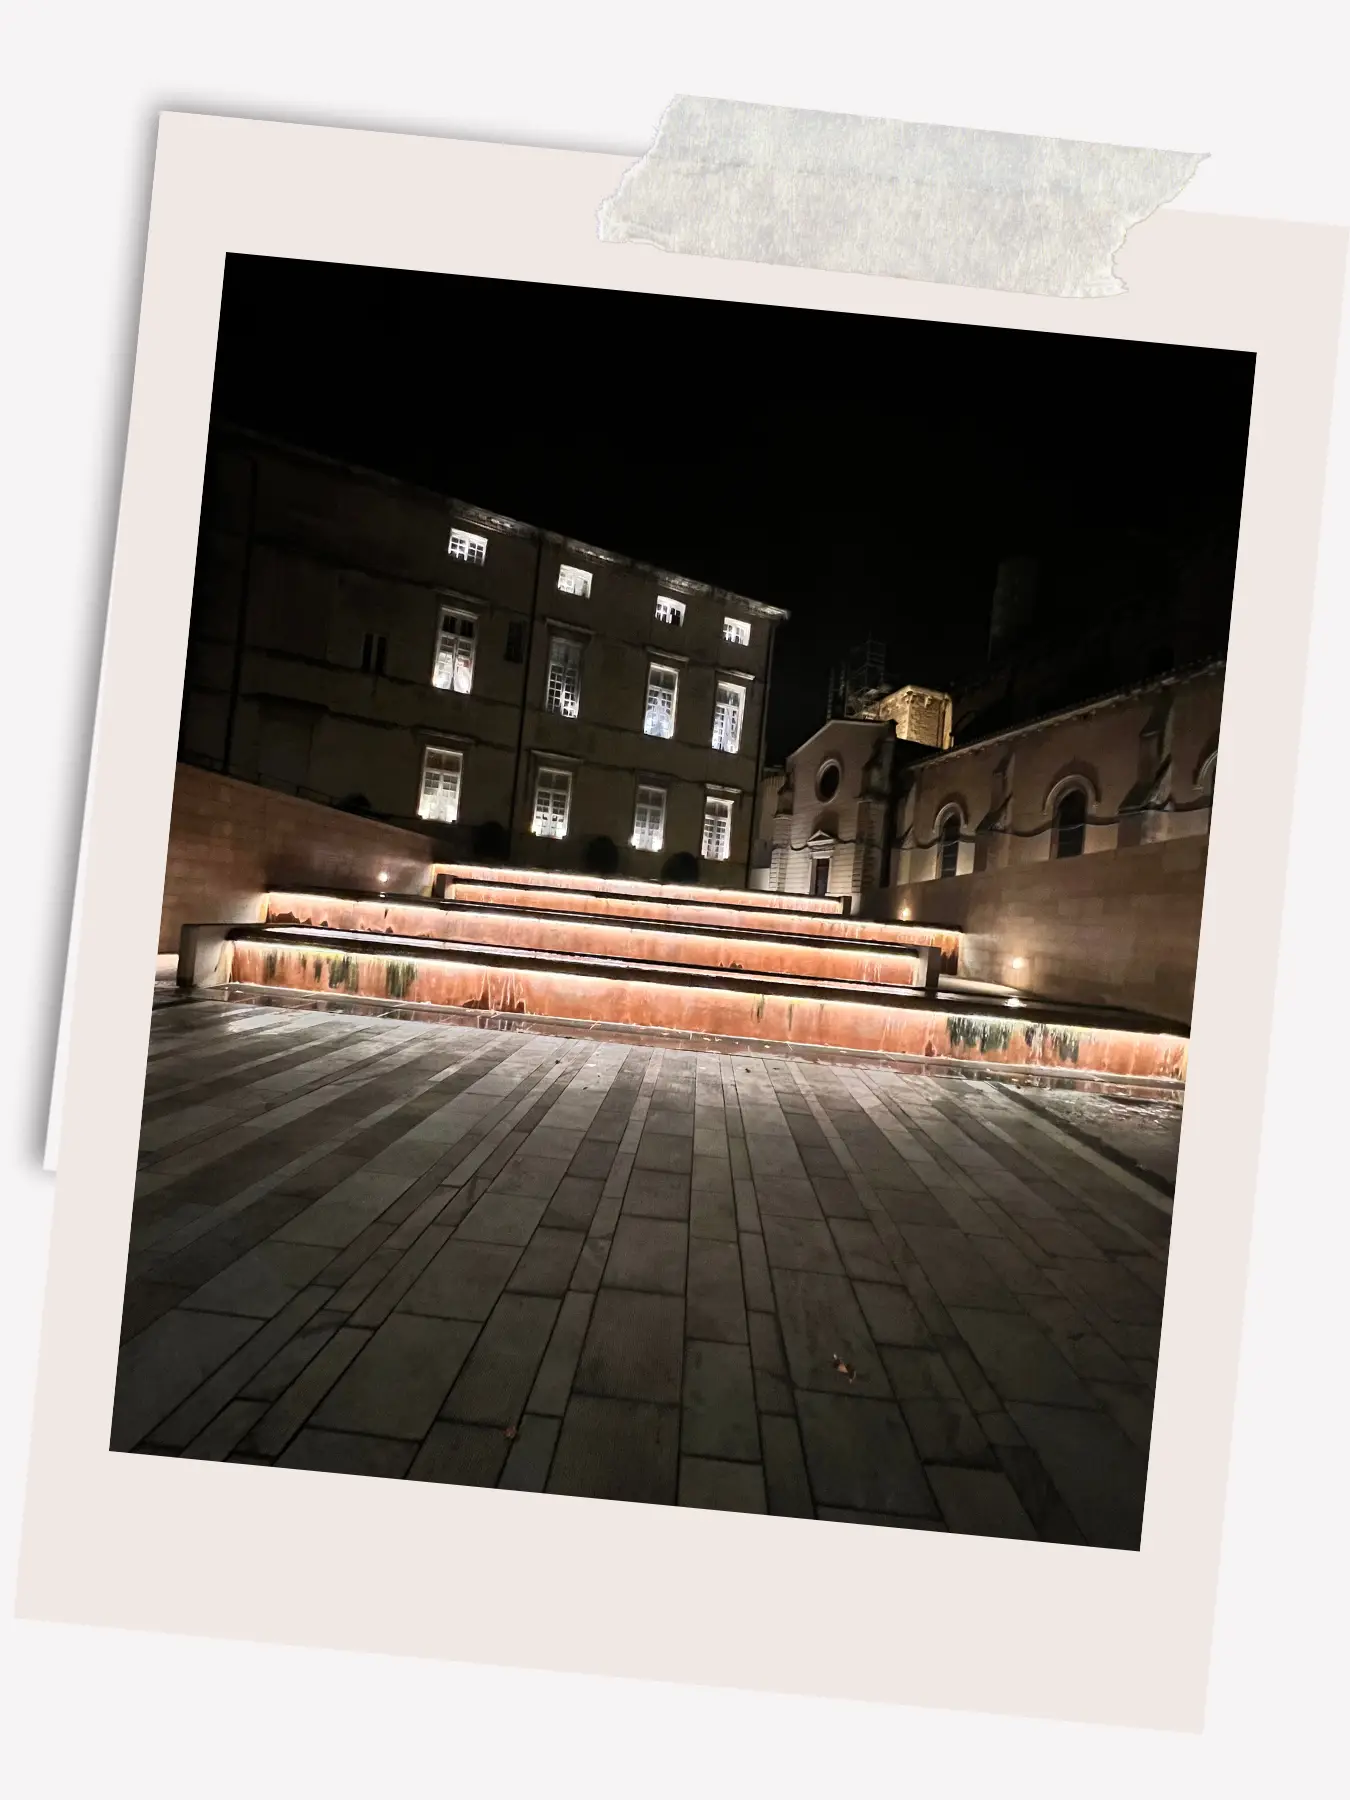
[820, 1288]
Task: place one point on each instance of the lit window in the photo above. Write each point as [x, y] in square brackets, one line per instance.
[441, 771]
[670, 612]
[662, 685]
[736, 631]
[467, 546]
[454, 652]
[574, 581]
[552, 802]
[649, 819]
[563, 691]
[727, 717]
[716, 829]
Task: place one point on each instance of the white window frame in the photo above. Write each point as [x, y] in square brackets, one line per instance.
[564, 656]
[452, 669]
[718, 812]
[720, 732]
[574, 581]
[440, 800]
[669, 611]
[468, 546]
[548, 818]
[736, 631]
[649, 817]
[650, 716]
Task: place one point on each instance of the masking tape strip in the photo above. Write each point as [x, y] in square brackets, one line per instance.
[985, 209]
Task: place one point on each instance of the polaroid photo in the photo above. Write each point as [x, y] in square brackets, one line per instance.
[667, 1025]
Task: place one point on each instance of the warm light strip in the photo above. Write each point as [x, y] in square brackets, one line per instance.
[643, 890]
[1165, 1045]
[706, 945]
[835, 929]
[458, 949]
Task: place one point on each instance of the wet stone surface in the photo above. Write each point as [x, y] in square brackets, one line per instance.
[422, 1252]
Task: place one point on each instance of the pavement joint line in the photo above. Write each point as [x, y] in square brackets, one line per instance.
[290, 1112]
[229, 1064]
[465, 1170]
[1142, 1190]
[1122, 1164]
[155, 1249]
[251, 1105]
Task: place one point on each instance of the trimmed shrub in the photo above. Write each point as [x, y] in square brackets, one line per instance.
[683, 868]
[491, 841]
[601, 857]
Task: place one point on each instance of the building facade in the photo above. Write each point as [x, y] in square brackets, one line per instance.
[766, 810]
[1129, 769]
[1070, 852]
[920, 715]
[365, 643]
[831, 825]
[828, 817]
[864, 806]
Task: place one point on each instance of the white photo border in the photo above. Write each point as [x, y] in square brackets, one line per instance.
[551, 1581]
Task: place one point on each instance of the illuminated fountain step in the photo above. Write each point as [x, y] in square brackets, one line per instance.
[728, 945]
[447, 875]
[702, 1003]
[654, 905]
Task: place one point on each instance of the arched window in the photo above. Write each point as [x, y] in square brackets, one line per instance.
[949, 845]
[1070, 827]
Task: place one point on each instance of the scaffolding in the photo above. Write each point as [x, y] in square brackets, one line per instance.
[858, 684]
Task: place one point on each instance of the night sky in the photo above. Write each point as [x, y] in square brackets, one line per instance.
[867, 474]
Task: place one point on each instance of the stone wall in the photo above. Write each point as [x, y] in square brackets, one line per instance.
[1144, 761]
[229, 841]
[1118, 928]
[842, 821]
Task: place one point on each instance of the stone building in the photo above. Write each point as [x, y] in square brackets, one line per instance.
[827, 817]
[1129, 769]
[1070, 850]
[920, 715]
[766, 808]
[833, 811]
[366, 643]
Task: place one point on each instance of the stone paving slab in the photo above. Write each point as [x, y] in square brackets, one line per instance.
[743, 1282]
[613, 1449]
[397, 1384]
